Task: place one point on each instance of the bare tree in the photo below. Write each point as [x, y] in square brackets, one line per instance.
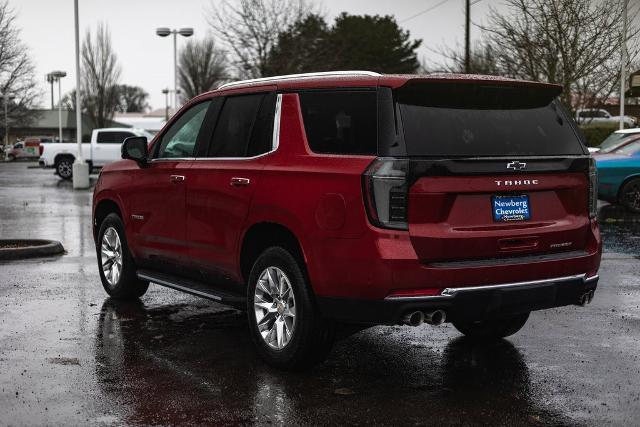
[132, 99]
[575, 43]
[202, 67]
[100, 75]
[250, 29]
[17, 73]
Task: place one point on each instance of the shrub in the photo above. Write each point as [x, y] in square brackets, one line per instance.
[595, 134]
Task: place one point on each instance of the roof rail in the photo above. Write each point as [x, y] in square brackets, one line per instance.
[302, 76]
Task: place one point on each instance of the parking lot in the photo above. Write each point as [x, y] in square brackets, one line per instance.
[71, 356]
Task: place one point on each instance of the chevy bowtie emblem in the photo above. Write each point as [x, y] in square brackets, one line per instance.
[516, 166]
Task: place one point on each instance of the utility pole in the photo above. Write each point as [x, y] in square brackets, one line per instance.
[467, 39]
[623, 62]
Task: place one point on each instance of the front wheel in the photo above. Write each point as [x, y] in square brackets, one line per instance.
[115, 263]
[492, 328]
[64, 168]
[285, 325]
[630, 195]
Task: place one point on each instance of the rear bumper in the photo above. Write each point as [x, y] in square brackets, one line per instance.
[469, 303]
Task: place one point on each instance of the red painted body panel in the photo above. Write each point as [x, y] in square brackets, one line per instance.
[319, 199]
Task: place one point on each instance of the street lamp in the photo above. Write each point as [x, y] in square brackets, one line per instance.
[185, 32]
[166, 92]
[57, 76]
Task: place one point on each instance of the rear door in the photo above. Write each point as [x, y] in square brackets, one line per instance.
[494, 171]
[223, 179]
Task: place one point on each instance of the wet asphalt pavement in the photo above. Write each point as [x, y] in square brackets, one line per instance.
[71, 356]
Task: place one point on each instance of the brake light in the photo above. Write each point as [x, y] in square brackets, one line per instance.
[385, 193]
[41, 149]
[593, 189]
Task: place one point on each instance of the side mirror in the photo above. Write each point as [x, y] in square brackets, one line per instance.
[135, 148]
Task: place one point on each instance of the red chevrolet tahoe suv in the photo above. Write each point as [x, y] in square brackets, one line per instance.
[321, 199]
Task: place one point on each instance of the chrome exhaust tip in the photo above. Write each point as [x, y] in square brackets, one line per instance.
[590, 295]
[413, 318]
[435, 318]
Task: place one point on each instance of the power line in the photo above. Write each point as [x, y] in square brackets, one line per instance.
[424, 11]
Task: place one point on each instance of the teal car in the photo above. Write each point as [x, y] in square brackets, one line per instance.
[619, 176]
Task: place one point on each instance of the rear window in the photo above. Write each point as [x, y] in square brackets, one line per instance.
[112, 137]
[340, 122]
[484, 120]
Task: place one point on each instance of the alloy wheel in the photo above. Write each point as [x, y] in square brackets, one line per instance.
[275, 308]
[65, 169]
[111, 256]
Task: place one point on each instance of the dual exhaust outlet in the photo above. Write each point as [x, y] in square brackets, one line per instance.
[417, 318]
[585, 298]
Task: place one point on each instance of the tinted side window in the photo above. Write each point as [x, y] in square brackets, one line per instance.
[112, 137]
[262, 136]
[235, 126]
[340, 122]
[180, 139]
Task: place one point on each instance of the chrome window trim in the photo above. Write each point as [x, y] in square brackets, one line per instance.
[172, 159]
[301, 76]
[275, 142]
[449, 293]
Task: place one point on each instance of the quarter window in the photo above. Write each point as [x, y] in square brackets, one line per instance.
[180, 140]
[340, 122]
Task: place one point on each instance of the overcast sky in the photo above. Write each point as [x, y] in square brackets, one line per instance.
[147, 60]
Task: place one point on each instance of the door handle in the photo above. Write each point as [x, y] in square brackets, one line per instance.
[240, 182]
[177, 178]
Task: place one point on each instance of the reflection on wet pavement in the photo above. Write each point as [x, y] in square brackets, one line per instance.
[71, 356]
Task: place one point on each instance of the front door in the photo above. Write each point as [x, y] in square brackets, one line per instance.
[158, 194]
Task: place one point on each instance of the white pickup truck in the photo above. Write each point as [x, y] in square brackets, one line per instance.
[104, 148]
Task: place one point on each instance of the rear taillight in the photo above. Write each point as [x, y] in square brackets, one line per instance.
[41, 149]
[593, 189]
[385, 193]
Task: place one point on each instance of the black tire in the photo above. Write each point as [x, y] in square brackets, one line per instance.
[64, 167]
[630, 195]
[11, 157]
[491, 329]
[127, 285]
[312, 336]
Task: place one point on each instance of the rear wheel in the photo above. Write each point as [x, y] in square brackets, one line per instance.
[115, 263]
[492, 328]
[64, 167]
[11, 157]
[285, 324]
[630, 195]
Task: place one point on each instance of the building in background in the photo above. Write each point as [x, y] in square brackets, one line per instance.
[152, 121]
[45, 124]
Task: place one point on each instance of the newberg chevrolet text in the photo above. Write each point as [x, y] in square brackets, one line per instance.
[352, 197]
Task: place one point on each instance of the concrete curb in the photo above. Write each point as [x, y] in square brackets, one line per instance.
[36, 248]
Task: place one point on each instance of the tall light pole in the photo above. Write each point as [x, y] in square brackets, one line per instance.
[467, 39]
[185, 32]
[6, 98]
[623, 62]
[80, 168]
[166, 103]
[57, 76]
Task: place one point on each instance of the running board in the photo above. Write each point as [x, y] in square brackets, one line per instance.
[192, 287]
